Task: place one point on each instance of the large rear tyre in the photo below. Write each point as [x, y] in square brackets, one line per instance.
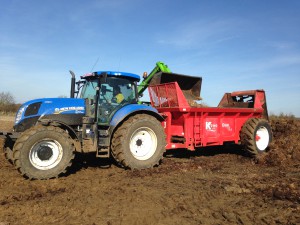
[43, 152]
[139, 143]
[256, 135]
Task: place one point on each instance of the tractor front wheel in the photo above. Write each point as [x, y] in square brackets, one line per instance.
[139, 143]
[256, 136]
[43, 152]
[8, 154]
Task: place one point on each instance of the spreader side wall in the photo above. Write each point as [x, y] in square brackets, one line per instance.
[199, 127]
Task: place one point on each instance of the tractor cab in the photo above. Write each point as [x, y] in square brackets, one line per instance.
[109, 91]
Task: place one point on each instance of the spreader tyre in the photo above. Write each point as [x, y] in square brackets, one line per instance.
[43, 152]
[139, 143]
[256, 136]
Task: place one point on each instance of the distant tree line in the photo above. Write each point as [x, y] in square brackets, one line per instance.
[8, 103]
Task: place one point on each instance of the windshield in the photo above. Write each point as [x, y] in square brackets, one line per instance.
[114, 94]
[115, 90]
[89, 89]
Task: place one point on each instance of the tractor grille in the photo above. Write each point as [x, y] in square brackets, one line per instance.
[33, 109]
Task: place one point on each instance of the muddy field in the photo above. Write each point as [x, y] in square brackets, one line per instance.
[210, 186]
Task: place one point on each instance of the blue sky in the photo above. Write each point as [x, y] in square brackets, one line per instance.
[233, 44]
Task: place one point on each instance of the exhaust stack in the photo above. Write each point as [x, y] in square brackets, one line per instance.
[73, 81]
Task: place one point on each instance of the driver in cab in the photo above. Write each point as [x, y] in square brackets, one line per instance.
[118, 96]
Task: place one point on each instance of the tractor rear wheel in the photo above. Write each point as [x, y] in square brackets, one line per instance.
[256, 136]
[139, 143]
[43, 152]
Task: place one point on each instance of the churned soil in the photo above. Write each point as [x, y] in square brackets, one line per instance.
[218, 185]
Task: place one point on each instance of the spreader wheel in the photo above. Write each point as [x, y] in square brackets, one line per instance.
[256, 136]
[139, 143]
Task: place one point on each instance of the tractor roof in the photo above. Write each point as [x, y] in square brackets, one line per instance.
[112, 74]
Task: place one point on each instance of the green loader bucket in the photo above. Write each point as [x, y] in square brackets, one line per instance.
[190, 86]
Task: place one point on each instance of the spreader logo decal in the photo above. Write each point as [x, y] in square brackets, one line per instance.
[226, 126]
[211, 126]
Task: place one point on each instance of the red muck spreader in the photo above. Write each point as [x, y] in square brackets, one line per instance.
[241, 117]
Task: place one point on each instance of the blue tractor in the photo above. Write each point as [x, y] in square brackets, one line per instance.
[106, 119]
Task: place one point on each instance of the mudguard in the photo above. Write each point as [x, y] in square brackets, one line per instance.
[128, 110]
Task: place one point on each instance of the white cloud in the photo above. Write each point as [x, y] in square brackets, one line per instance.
[195, 34]
[271, 64]
[282, 45]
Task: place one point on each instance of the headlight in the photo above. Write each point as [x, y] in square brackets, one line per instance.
[19, 114]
